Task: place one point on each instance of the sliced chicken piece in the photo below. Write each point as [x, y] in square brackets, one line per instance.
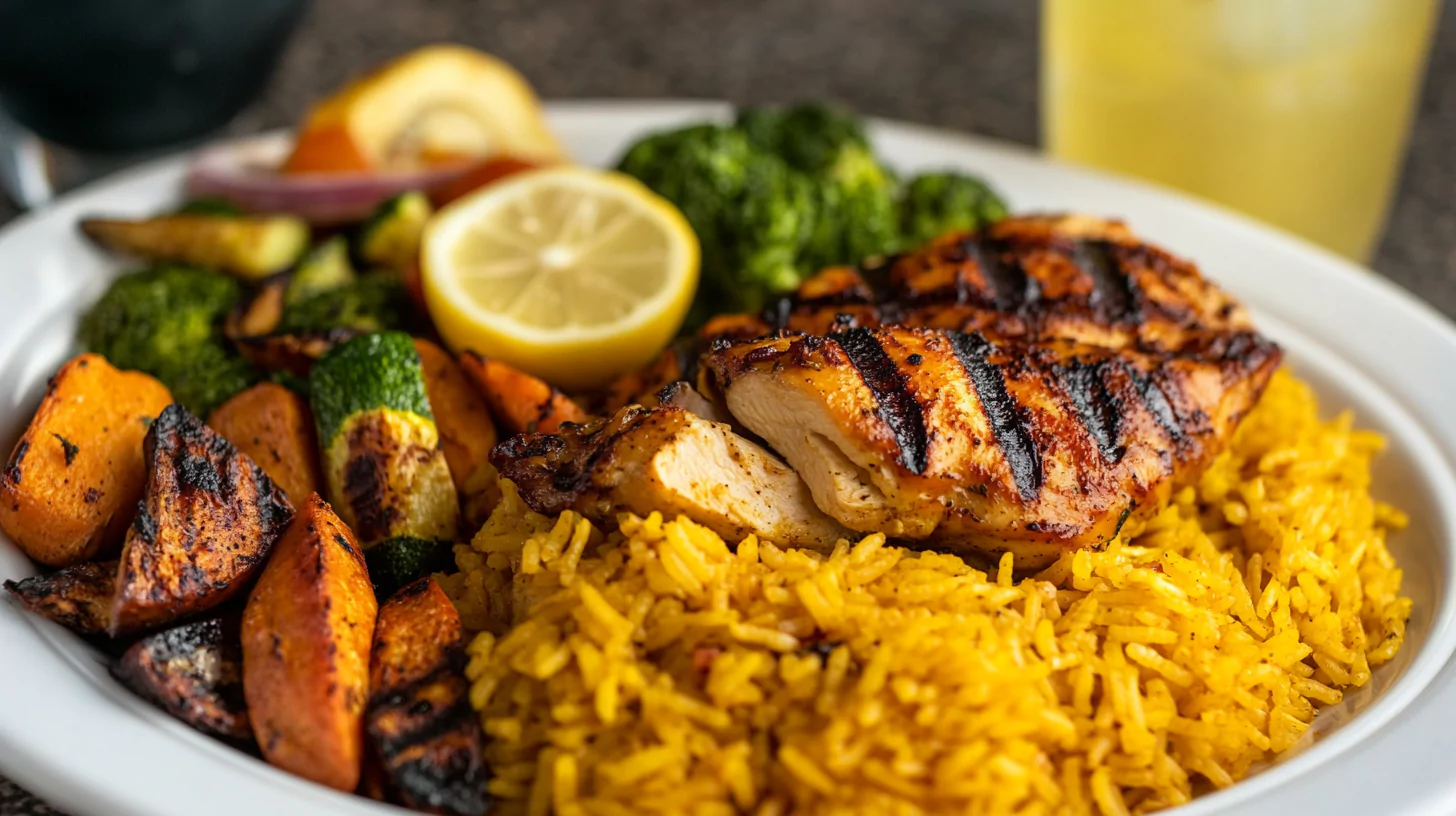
[950, 439]
[682, 395]
[1033, 278]
[669, 460]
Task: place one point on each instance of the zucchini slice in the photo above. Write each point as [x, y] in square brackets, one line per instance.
[384, 468]
[250, 247]
[325, 267]
[391, 236]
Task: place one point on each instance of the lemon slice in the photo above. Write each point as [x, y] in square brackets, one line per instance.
[571, 274]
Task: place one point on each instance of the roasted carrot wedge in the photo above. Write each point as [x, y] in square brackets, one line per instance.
[520, 402]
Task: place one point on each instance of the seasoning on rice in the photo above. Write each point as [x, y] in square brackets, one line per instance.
[660, 670]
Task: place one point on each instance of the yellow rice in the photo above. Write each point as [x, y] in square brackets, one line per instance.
[659, 670]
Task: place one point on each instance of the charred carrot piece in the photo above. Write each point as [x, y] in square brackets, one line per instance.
[520, 402]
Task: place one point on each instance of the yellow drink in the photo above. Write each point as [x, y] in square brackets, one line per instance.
[1294, 111]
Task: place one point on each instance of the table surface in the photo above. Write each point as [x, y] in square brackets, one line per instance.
[965, 66]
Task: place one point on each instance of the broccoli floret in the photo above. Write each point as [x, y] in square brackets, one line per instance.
[377, 301]
[854, 193]
[811, 136]
[701, 169]
[168, 322]
[778, 196]
[404, 560]
[936, 203]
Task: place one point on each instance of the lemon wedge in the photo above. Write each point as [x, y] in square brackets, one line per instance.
[571, 274]
[439, 105]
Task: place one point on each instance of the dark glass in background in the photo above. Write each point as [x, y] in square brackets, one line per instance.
[129, 75]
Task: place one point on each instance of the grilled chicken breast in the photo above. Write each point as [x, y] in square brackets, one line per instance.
[951, 439]
[1032, 278]
[670, 460]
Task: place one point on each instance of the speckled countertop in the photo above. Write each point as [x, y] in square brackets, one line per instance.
[969, 66]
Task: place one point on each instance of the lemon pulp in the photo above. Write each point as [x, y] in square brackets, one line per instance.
[571, 274]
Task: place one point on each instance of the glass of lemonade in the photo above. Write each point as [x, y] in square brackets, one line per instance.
[1294, 111]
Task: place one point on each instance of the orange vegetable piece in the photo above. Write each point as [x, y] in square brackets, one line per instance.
[466, 430]
[307, 632]
[522, 403]
[71, 485]
[274, 427]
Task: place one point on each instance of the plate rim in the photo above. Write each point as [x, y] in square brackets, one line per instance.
[85, 792]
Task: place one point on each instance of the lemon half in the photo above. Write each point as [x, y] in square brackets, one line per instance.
[571, 274]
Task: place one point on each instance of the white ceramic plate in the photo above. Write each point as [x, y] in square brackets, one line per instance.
[71, 734]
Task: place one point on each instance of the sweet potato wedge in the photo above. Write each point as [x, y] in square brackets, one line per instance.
[274, 427]
[520, 402]
[70, 486]
[306, 636]
[466, 431]
[202, 533]
[420, 722]
[77, 597]
[193, 672]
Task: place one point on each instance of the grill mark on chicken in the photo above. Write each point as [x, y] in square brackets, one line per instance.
[1114, 292]
[1100, 410]
[1157, 403]
[1035, 278]
[895, 405]
[1008, 425]
[1012, 289]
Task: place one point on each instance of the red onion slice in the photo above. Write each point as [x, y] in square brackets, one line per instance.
[245, 173]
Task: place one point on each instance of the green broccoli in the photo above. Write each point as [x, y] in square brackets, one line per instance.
[702, 170]
[811, 136]
[854, 192]
[783, 193]
[167, 322]
[936, 203]
[376, 301]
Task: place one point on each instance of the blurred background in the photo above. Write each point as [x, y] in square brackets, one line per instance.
[973, 65]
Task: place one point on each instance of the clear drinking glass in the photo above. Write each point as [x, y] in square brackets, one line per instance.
[1294, 111]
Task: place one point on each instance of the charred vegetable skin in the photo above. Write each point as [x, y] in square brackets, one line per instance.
[195, 673]
[419, 719]
[68, 489]
[204, 530]
[274, 427]
[383, 465]
[306, 637]
[78, 597]
[168, 323]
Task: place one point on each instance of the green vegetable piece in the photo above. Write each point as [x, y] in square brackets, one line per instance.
[365, 373]
[325, 267]
[391, 236]
[811, 136]
[167, 321]
[773, 199]
[936, 203]
[398, 562]
[376, 301]
[212, 205]
[293, 382]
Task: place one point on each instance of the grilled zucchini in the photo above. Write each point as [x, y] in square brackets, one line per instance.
[391, 236]
[250, 247]
[383, 465]
[325, 267]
